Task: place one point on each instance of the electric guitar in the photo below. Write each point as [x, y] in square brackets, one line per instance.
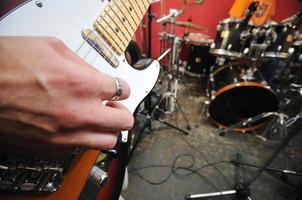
[99, 32]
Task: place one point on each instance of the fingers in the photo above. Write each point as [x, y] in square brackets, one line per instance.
[88, 115]
[105, 85]
[108, 88]
[88, 139]
[116, 116]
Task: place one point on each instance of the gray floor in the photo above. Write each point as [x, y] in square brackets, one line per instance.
[168, 165]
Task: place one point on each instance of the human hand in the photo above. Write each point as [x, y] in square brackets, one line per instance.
[51, 100]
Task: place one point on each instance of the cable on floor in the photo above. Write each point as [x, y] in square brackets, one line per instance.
[175, 168]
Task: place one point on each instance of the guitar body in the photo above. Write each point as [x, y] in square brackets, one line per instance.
[66, 20]
[116, 173]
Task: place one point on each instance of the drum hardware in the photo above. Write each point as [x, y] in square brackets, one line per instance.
[173, 13]
[171, 16]
[296, 55]
[296, 88]
[242, 185]
[153, 110]
[281, 38]
[173, 69]
[294, 20]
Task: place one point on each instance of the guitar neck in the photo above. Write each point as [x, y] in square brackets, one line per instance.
[119, 20]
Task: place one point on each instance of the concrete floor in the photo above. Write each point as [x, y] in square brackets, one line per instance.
[167, 165]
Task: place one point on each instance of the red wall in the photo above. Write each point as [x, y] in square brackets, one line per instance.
[207, 15]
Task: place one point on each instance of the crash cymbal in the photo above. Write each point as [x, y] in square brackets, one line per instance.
[198, 38]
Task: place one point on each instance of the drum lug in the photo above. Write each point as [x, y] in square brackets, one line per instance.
[246, 50]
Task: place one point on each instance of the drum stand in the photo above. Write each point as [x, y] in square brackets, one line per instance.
[241, 190]
[169, 96]
[150, 116]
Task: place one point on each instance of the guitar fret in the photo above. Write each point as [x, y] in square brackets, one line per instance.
[125, 23]
[141, 8]
[130, 10]
[146, 3]
[112, 17]
[136, 9]
[142, 3]
[119, 24]
[111, 38]
[119, 20]
[114, 31]
[126, 16]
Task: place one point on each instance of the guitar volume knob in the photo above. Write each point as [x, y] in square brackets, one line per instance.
[98, 176]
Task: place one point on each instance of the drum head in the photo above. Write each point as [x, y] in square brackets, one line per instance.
[242, 102]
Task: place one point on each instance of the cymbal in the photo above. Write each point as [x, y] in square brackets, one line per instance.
[198, 38]
[187, 24]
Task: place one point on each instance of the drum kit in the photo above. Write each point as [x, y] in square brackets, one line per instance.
[237, 90]
[236, 87]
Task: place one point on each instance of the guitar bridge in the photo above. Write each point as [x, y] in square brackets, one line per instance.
[20, 173]
[100, 47]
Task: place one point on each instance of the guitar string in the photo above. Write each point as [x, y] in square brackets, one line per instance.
[113, 43]
[94, 44]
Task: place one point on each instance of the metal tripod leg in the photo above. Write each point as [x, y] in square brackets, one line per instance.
[249, 121]
[168, 94]
[150, 118]
[239, 192]
[183, 114]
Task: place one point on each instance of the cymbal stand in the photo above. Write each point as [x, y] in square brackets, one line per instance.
[170, 96]
[172, 74]
[151, 116]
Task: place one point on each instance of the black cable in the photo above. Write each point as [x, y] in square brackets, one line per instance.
[174, 171]
[204, 166]
[206, 160]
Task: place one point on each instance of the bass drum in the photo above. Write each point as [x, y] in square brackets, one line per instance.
[238, 93]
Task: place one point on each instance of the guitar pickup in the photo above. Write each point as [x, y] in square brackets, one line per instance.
[100, 47]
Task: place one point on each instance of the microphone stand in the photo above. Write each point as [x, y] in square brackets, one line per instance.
[241, 189]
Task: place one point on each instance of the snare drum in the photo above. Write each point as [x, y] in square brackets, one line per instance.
[239, 93]
[231, 39]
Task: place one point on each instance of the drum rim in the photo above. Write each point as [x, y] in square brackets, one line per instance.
[220, 69]
[272, 54]
[244, 129]
[240, 84]
[223, 52]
